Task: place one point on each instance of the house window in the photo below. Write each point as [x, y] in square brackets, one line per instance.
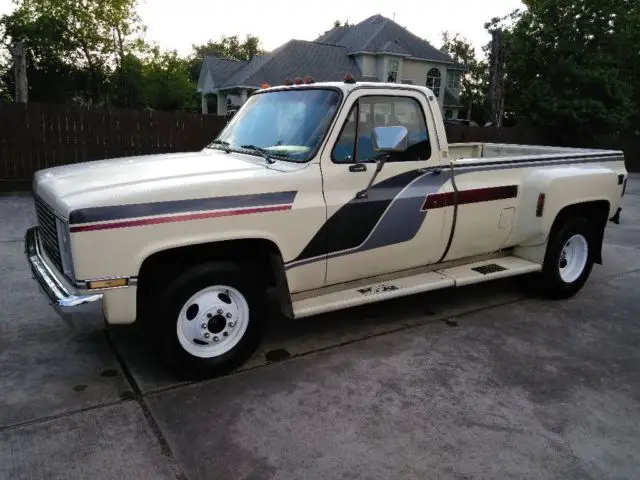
[378, 111]
[392, 74]
[433, 81]
[453, 79]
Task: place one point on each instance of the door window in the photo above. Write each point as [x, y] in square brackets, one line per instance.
[381, 111]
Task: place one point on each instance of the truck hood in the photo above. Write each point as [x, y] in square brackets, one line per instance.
[94, 182]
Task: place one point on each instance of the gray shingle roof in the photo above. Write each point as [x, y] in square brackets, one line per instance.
[332, 35]
[376, 33]
[222, 68]
[249, 68]
[296, 58]
[393, 47]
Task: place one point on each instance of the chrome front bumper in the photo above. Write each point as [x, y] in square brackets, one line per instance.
[65, 299]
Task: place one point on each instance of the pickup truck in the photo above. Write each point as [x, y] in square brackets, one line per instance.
[315, 197]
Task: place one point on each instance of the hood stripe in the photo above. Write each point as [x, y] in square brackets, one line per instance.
[230, 203]
[178, 218]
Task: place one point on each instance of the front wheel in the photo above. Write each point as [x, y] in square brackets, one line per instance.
[209, 320]
[569, 259]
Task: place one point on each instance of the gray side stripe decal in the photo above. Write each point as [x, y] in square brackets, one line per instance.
[121, 212]
[400, 222]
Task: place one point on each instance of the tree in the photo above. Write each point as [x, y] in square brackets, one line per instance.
[474, 79]
[166, 81]
[78, 42]
[226, 47]
[229, 47]
[5, 68]
[569, 65]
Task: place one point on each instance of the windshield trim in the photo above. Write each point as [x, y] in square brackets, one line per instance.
[329, 128]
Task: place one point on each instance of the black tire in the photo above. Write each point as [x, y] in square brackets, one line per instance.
[170, 302]
[551, 284]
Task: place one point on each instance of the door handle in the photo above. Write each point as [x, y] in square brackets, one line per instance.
[358, 167]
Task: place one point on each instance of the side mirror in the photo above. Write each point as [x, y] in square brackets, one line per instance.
[390, 139]
[385, 140]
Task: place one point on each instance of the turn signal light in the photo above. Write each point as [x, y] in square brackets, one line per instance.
[110, 283]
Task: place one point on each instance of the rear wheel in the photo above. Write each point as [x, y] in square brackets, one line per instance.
[569, 259]
[209, 320]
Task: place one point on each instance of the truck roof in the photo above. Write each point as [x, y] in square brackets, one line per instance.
[347, 87]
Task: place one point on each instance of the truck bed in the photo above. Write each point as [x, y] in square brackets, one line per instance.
[501, 151]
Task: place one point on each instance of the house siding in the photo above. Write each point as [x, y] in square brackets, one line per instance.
[381, 69]
[367, 65]
[416, 71]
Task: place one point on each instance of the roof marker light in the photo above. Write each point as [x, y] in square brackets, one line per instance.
[288, 82]
[264, 85]
[297, 81]
[308, 79]
[348, 78]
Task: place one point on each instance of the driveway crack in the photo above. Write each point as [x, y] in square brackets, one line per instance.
[138, 396]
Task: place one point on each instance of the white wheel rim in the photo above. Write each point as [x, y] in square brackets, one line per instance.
[573, 258]
[213, 321]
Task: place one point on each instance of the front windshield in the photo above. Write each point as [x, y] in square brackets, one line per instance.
[286, 124]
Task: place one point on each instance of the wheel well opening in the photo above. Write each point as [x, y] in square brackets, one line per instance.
[160, 268]
[595, 212]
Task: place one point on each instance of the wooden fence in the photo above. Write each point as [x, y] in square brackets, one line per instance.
[38, 136]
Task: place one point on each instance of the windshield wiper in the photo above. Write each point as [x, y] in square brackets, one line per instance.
[261, 151]
[224, 144]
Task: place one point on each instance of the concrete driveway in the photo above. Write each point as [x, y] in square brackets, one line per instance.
[480, 382]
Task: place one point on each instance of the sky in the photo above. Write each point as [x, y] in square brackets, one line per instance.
[177, 24]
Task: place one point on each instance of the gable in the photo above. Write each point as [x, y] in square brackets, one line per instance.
[215, 71]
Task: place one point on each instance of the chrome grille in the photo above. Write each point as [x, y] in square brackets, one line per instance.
[48, 232]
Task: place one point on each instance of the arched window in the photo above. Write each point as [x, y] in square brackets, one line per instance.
[434, 80]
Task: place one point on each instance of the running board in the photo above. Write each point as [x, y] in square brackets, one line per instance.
[424, 282]
[490, 270]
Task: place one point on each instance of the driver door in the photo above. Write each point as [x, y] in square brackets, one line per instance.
[387, 230]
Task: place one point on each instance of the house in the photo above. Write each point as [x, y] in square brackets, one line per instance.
[376, 49]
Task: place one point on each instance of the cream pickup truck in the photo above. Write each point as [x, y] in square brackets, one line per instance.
[315, 197]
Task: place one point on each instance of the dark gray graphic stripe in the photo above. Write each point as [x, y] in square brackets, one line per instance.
[131, 211]
[400, 222]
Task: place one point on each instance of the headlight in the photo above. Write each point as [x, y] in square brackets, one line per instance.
[64, 241]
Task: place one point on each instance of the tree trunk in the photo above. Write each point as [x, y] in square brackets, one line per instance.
[20, 72]
[495, 98]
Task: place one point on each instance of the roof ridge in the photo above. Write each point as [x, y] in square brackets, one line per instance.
[428, 43]
[383, 24]
[318, 43]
